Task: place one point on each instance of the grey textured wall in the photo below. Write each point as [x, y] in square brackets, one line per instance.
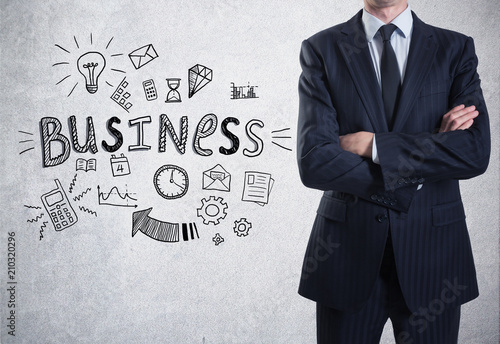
[93, 282]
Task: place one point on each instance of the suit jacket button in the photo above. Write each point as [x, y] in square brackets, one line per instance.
[421, 180]
[373, 197]
[381, 218]
[401, 181]
[414, 180]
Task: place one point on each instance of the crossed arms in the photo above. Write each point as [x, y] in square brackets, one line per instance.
[330, 161]
[458, 118]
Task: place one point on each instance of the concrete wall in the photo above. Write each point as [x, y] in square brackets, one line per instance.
[95, 282]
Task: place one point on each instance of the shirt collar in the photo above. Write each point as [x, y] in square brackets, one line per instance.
[404, 22]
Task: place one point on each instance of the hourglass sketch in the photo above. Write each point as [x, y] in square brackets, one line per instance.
[173, 96]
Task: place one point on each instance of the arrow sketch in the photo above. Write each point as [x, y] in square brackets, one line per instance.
[162, 230]
[153, 228]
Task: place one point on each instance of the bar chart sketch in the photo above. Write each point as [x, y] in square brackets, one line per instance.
[243, 92]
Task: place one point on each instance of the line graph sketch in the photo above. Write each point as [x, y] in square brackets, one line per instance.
[115, 198]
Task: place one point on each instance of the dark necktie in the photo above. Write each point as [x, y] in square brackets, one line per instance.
[389, 72]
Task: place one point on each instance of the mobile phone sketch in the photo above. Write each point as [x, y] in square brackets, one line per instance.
[58, 207]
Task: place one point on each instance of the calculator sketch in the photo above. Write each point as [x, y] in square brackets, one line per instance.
[58, 207]
[150, 89]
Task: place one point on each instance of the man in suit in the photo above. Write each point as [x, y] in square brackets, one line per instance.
[388, 147]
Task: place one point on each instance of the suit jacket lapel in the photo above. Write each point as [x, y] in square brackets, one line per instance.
[421, 56]
[356, 53]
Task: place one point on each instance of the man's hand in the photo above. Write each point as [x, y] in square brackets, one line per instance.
[458, 118]
[359, 143]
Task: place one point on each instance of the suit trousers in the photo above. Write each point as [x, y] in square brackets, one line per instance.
[386, 302]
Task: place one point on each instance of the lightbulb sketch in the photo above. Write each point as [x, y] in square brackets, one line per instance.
[91, 65]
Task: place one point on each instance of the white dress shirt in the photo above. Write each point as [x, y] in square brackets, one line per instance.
[400, 41]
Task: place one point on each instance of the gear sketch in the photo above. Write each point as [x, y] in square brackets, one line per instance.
[242, 227]
[212, 210]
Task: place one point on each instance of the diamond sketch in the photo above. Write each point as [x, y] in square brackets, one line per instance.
[199, 77]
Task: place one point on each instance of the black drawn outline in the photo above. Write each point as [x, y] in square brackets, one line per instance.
[149, 89]
[26, 141]
[80, 196]
[72, 184]
[173, 96]
[166, 125]
[121, 97]
[103, 200]
[143, 55]
[177, 183]
[259, 144]
[32, 206]
[216, 178]
[114, 132]
[202, 132]
[59, 208]
[217, 239]
[86, 210]
[233, 138]
[161, 230]
[91, 64]
[257, 187]
[119, 165]
[54, 135]
[67, 63]
[44, 225]
[116, 70]
[90, 142]
[241, 227]
[191, 233]
[280, 137]
[199, 76]
[86, 165]
[238, 92]
[36, 218]
[139, 122]
[212, 210]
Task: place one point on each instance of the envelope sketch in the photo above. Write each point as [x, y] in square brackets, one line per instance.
[217, 178]
[143, 56]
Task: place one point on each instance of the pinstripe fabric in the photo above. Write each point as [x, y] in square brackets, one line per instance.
[338, 94]
[386, 301]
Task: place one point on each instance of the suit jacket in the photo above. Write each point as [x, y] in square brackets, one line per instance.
[339, 94]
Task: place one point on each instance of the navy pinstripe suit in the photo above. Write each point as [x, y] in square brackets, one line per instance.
[339, 94]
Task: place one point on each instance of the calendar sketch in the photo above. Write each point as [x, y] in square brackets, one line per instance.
[119, 165]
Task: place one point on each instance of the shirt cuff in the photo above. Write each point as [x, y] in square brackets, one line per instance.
[375, 158]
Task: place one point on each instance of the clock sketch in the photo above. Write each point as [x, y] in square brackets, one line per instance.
[171, 181]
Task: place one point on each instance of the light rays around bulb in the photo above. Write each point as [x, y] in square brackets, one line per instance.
[69, 63]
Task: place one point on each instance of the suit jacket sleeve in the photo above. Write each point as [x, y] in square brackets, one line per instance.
[323, 164]
[431, 157]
